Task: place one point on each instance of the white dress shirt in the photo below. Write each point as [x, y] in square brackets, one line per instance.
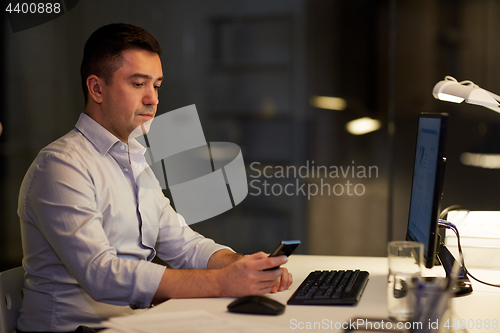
[89, 232]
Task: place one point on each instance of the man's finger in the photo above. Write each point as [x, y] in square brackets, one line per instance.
[286, 279]
[271, 262]
[256, 256]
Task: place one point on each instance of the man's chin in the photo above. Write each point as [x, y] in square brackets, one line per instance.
[141, 129]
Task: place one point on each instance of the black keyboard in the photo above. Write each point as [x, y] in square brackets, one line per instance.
[331, 288]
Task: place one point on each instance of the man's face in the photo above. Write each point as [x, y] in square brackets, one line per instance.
[132, 97]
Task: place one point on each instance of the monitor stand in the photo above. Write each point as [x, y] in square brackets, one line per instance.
[463, 286]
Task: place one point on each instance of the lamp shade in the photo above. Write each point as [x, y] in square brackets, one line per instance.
[452, 91]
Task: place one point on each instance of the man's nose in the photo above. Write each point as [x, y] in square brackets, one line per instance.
[151, 97]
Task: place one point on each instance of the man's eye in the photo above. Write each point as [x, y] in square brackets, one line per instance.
[158, 88]
[138, 84]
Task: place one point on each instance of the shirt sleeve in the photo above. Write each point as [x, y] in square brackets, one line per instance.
[179, 245]
[60, 202]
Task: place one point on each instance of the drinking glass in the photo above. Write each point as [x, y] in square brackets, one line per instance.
[405, 268]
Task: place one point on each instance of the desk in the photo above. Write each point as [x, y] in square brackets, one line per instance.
[483, 304]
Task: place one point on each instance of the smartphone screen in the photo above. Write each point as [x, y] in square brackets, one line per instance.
[284, 248]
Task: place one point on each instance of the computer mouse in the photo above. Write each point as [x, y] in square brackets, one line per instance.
[256, 305]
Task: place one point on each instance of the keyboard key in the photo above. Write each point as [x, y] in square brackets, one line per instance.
[348, 288]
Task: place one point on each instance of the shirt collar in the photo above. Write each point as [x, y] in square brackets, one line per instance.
[135, 148]
[101, 138]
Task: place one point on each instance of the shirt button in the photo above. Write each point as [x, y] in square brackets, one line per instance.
[122, 147]
[125, 169]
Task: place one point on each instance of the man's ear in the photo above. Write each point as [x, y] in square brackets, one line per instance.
[94, 88]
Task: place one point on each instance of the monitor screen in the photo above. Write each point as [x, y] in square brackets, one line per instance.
[427, 183]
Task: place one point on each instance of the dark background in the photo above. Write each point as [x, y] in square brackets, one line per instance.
[251, 68]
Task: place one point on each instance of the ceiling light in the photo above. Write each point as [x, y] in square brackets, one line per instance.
[329, 103]
[486, 161]
[363, 125]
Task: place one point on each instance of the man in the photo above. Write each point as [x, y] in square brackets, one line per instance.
[90, 233]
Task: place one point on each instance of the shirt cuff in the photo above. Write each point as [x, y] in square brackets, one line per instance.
[148, 277]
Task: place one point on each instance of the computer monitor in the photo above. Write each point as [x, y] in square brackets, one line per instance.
[426, 193]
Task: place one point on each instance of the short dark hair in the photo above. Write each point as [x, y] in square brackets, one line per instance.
[102, 54]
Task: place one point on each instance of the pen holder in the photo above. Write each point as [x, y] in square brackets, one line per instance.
[432, 307]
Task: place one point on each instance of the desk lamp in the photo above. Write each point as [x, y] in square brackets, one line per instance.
[451, 90]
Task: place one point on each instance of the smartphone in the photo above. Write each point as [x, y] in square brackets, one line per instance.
[286, 248]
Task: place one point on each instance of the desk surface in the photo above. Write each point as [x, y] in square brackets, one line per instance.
[478, 309]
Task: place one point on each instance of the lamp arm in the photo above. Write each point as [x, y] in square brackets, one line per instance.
[470, 83]
[495, 96]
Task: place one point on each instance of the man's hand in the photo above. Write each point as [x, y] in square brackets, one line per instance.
[230, 275]
[248, 276]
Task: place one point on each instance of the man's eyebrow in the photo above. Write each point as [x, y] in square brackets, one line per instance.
[145, 76]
